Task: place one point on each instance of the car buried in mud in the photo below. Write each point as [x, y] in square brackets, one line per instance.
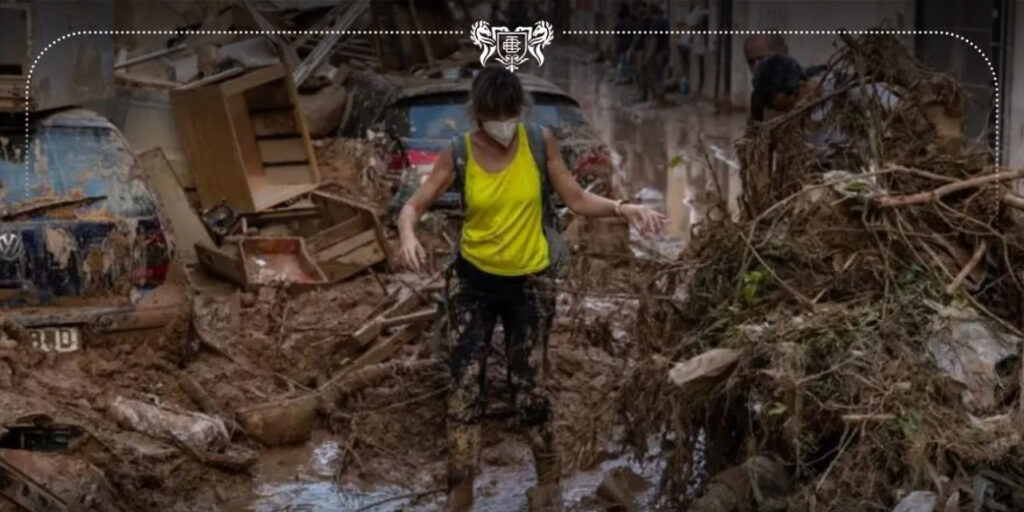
[82, 248]
[421, 115]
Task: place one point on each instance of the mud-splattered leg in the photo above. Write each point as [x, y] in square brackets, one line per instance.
[527, 322]
[471, 324]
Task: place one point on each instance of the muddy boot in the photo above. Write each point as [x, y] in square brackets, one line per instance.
[463, 456]
[545, 498]
[545, 457]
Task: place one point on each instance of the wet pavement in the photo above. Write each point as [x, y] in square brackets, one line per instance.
[679, 158]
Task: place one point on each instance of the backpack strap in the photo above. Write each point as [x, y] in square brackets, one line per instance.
[558, 251]
[460, 160]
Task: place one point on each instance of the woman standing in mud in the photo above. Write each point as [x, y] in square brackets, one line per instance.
[503, 267]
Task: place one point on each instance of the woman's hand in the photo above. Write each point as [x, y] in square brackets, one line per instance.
[646, 220]
[411, 254]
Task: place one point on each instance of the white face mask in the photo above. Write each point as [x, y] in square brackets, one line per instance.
[502, 131]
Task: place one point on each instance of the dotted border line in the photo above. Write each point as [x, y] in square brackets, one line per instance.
[35, 61]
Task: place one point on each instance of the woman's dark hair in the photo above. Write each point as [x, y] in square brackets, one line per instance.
[496, 94]
[774, 75]
[624, 10]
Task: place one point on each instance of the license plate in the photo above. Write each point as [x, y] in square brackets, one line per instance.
[56, 339]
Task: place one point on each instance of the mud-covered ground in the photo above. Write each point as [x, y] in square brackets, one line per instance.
[384, 441]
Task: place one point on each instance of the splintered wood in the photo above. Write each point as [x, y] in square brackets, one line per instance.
[410, 314]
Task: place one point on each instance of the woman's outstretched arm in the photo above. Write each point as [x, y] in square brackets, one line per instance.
[587, 204]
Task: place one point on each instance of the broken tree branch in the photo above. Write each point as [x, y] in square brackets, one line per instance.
[938, 193]
[412, 495]
[1013, 200]
[968, 268]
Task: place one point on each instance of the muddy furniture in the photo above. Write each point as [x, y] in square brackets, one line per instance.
[246, 141]
[278, 260]
[352, 239]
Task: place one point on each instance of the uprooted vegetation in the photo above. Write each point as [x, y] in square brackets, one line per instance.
[859, 327]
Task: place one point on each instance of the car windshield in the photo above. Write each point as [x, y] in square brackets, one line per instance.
[444, 116]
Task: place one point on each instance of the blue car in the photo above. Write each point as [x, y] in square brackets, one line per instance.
[81, 241]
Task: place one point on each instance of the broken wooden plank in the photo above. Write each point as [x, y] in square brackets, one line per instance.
[145, 81]
[335, 233]
[352, 263]
[327, 43]
[411, 318]
[387, 347]
[373, 328]
[149, 56]
[23, 490]
[346, 246]
[279, 215]
[376, 354]
[321, 24]
[212, 79]
[288, 55]
[182, 220]
[328, 197]
[428, 52]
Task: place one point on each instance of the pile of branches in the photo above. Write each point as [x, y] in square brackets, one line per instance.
[806, 333]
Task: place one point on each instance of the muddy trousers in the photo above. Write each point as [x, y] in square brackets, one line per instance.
[525, 305]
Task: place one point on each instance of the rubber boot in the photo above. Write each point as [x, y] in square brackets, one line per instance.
[463, 458]
[546, 496]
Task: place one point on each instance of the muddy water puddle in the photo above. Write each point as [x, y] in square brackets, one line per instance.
[302, 479]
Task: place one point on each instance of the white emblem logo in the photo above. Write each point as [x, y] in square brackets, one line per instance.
[511, 46]
[11, 247]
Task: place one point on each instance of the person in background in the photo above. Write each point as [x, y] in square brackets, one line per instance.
[624, 25]
[657, 55]
[755, 49]
[636, 49]
[685, 47]
[503, 268]
[780, 83]
[760, 46]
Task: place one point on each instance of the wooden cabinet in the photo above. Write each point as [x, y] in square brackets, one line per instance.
[246, 141]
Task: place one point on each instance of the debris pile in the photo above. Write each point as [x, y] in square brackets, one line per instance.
[316, 40]
[861, 326]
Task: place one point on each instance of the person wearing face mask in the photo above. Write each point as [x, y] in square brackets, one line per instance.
[503, 267]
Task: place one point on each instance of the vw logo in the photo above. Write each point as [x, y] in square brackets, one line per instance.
[11, 247]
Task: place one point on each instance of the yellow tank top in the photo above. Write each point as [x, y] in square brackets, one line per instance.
[502, 233]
